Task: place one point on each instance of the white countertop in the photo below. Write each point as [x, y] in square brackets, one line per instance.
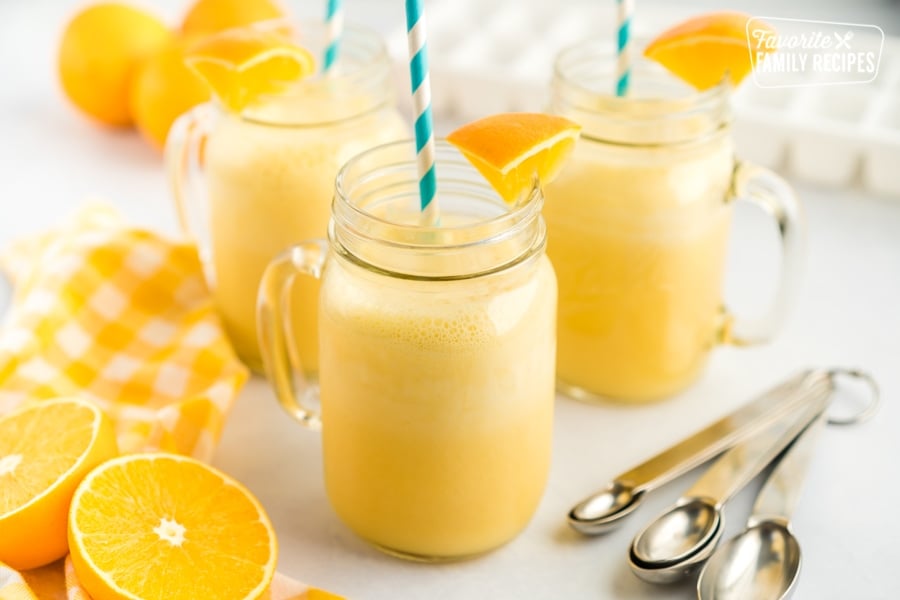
[848, 521]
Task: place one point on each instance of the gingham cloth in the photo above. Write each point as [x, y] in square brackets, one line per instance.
[122, 316]
[58, 582]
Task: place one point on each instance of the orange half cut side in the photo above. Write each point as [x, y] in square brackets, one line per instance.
[168, 526]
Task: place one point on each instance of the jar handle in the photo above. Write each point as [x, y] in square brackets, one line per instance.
[776, 197]
[184, 157]
[281, 358]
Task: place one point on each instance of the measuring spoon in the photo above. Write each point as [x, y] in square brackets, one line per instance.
[764, 560]
[603, 510]
[683, 537]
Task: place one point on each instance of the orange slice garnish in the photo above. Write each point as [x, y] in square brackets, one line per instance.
[512, 149]
[706, 49]
[241, 65]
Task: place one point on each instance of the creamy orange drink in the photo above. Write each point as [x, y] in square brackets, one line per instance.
[268, 173]
[436, 356]
[639, 242]
[271, 186]
[447, 455]
[638, 225]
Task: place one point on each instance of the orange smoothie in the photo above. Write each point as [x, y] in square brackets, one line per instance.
[437, 348]
[437, 441]
[638, 238]
[247, 185]
[270, 185]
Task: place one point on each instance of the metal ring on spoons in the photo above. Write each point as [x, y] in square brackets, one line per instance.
[869, 410]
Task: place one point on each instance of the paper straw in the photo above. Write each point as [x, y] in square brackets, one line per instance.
[334, 28]
[623, 47]
[421, 91]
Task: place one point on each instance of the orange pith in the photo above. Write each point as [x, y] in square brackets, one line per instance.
[706, 49]
[512, 149]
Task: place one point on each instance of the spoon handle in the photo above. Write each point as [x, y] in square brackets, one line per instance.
[737, 467]
[780, 493]
[751, 418]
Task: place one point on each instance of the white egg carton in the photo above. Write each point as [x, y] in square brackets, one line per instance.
[488, 57]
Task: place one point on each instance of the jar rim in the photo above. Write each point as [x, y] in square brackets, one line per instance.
[388, 173]
[584, 83]
[600, 51]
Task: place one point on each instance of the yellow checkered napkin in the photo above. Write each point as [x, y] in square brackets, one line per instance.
[124, 317]
[57, 582]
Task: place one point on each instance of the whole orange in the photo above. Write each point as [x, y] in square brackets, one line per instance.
[211, 16]
[163, 89]
[100, 51]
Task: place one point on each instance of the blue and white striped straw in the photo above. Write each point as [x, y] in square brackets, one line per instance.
[421, 91]
[334, 28]
[623, 47]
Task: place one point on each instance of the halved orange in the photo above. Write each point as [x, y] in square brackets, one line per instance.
[168, 526]
[241, 65]
[706, 49]
[46, 448]
[512, 149]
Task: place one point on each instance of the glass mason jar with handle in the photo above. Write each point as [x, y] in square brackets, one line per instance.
[437, 353]
[638, 226]
[248, 185]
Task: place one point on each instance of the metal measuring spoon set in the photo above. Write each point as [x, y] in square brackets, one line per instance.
[763, 561]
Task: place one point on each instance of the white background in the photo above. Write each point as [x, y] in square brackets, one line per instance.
[52, 159]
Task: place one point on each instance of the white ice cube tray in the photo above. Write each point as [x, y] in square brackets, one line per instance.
[489, 57]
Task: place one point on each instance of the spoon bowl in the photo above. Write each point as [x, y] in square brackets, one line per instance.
[677, 534]
[678, 542]
[762, 562]
[602, 511]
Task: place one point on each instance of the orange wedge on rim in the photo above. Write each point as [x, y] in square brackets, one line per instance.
[512, 149]
[241, 65]
[705, 49]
